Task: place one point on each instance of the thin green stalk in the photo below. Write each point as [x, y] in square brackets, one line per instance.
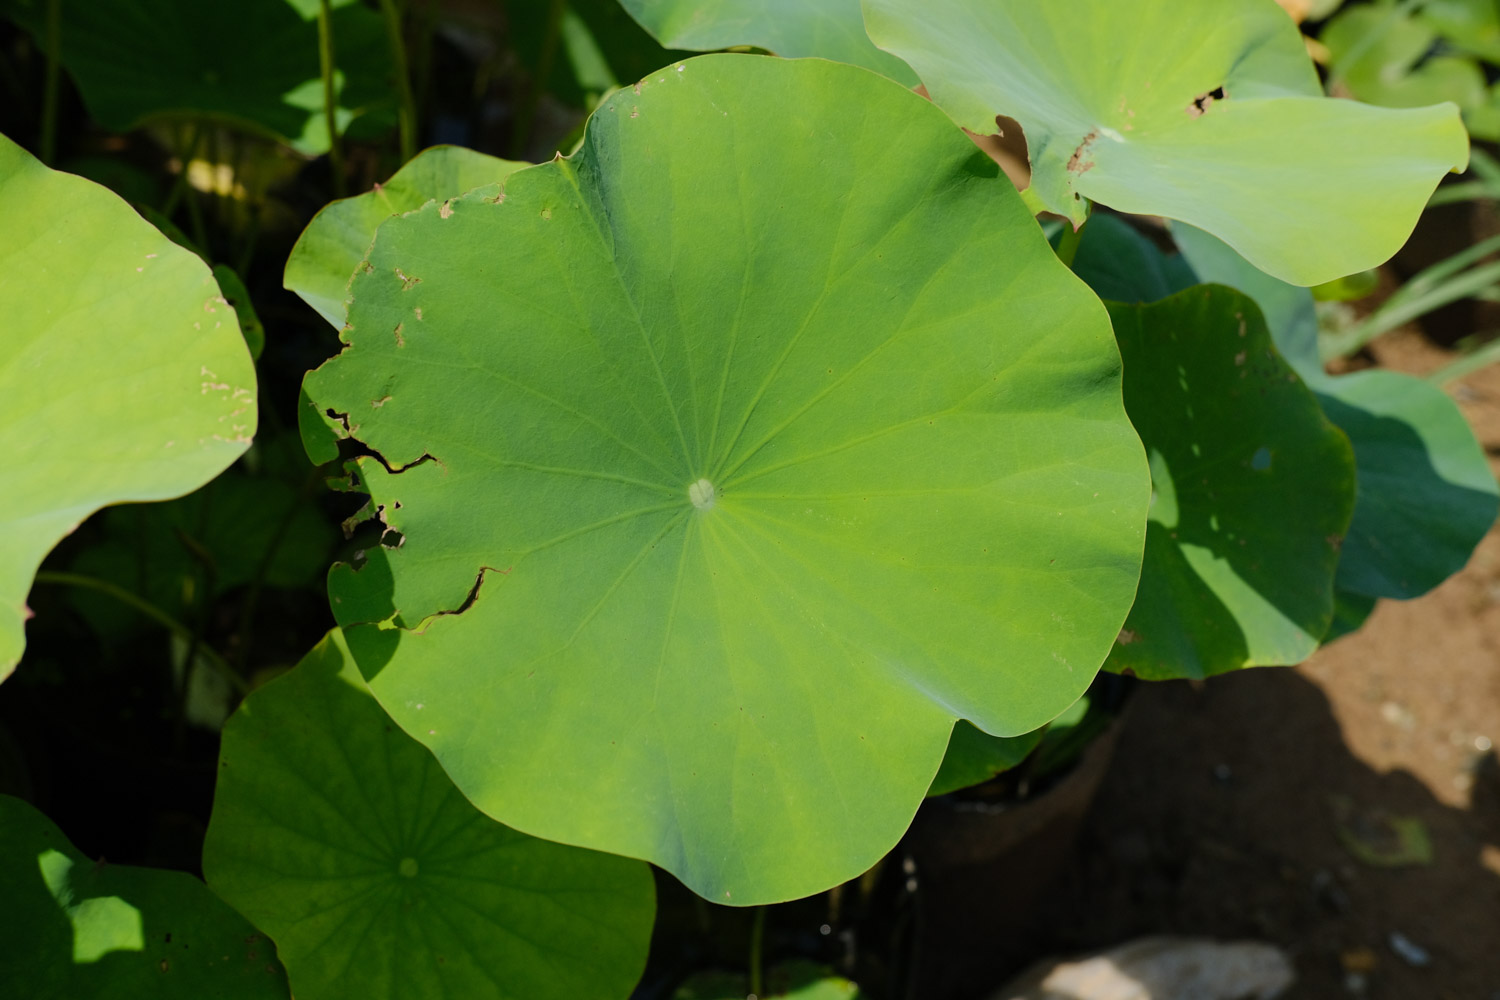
[1484, 166]
[330, 99]
[150, 611]
[1467, 191]
[50, 87]
[1388, 317]
[408, 108]
[1067, 242]
[526, 114]
[243, 631]
[1429, 277]
[1479, 358]
[757, 939]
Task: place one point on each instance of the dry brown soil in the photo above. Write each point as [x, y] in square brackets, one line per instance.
[1221, 812]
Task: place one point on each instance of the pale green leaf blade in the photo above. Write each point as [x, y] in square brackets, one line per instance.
[830, 29]
[343, 838]
[1252, 492]
[122, 368]
[74, 928]
[1206, 113]
[252, 63]
[747, 482]
[331, 248]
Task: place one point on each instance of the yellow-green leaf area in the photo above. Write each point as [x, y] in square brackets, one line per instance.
[1211, 114]
[123, 370]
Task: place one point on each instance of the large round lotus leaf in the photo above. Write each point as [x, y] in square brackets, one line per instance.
[832, 29]
[346, 842]
[1205, 112]
[74, 928]
[1426, 495]
[770, 439]
[122, 369]
[1252, 491]
[251, 63]
[331, 248]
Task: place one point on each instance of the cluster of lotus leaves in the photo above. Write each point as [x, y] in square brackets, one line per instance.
[715, 499]
[724, 464]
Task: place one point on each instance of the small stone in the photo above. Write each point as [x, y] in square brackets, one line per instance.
[1161, 969]
[1409, 951]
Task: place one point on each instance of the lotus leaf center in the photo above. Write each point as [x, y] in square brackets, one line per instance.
[408, 867]
[702, 494]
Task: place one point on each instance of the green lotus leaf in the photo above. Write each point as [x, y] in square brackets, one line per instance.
[252, 63]
[77, 928]
[123, 371]
[1383, 54]
[343, 838]
[333, 245]
[1426, 495]
[745, 482]
[1469, 25]
[1123, 265]
[792, 981]
[974, 756]
[181, 554]
[830, 29]
[1253, 490]
[1207, 113]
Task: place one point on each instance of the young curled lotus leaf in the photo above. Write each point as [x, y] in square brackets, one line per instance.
[76, 928]
[1252, 491]
[745, 482]
[830, 29]
[344, 840]
[1207, 113]
[123, 371]
[334, 243]
[252, 63]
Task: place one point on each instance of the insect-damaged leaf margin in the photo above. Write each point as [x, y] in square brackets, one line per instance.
[768, 475]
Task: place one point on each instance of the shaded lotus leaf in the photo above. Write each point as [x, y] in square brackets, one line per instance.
[78, 928]
[343, 838]
[123, 371]
[332, 246]
[745, 483]
[1121, 264]
[1425, 495]
[975, 756]
[252, 63]
[830, 29]
[1207, 113]
[792, 981]
[1252, 491]
[184, 553]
